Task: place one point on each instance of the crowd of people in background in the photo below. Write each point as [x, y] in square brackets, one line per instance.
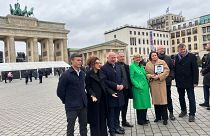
[98, 94]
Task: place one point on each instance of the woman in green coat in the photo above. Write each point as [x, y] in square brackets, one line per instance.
[140, 88]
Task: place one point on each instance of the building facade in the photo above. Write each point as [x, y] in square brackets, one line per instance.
[100, 50]
[140, 40]
[164, 22]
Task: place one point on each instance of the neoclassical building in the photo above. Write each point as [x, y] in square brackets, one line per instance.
[100, 50]
[52, 37]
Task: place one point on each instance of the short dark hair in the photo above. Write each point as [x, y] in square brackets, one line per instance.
[74, 55]
[150, 54]
[181, 45]
[91, 61]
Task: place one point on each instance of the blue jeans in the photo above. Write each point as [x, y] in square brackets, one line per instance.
[191, 98]
[206, 94]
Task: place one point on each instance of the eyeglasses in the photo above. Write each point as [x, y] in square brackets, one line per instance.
[97, 62]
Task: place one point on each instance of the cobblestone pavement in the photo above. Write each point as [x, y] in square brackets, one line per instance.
[34, 109]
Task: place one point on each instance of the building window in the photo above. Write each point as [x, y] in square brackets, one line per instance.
[189, 39]
[143, 41]
[178, 41]
[139, 41]
[144, 51]
[167, 42]
[174, 28]
[146, 33]
[147, 41]
[195, 38]
[196, 22]
[160, 35]
[138, 33]
[154, 34]
[57, 46]
[204, 29]
[195, 31]
[130, 32]
[178, 34]
[164, 42]
[190, 24]
[208, 37]
[166, 36]
[195, 46]
[183, 33]
[183, 40]
[131, 51]
[184, 25]
[173, 49]
[157, 35]
[189, 47]
[139, 50]
[161, 43]
[188, 31]
[154, 42]
[43, 45]
[135, 49]
[133, 41]
[157, 42]
[142, 33]
[172, 35]
[208, 28]
[167, 50]
[179, 27]
[147, 50]
[204, 38]
[173, 42]
[134, 32]
[115, 36]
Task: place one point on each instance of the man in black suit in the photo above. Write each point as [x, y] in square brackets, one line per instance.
[127, 89]
[71, 91]
[186, 77]
[113, 73]
[206, 80]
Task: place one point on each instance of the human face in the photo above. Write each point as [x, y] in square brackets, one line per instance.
[97, 65]
[111, 58]
[161, 50]
[154, 56]
[182, 51]
[208, 47]
[121, 57]
[137, 59]
[76, 62]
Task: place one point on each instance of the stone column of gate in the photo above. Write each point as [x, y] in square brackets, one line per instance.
[32, 50]
[50, 50]
[65, 54]
[9, 49]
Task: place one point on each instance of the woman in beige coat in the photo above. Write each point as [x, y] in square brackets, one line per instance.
[157, 71]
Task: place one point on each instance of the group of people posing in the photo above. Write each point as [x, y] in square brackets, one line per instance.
[98, 95]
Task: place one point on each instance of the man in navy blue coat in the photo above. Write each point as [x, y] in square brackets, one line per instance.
[71, 91]
[114, 76]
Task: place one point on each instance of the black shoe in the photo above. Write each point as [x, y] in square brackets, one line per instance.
[118, 131]
[191, 118]
[126, 124]
[121, 128]
[165, 122]
[182, 114]
[156, 120]
[208, 108]
[204, 105]
[142, 123]
[147, 121]
[171, 116]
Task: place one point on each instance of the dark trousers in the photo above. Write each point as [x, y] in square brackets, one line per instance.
[124, 110]
[191, 98]
[141, 115]
[206, 94]
[40, 79]
[161, 112]
[30, 78]
[71, 118]
[5, 80]
[113, 118]
[169, 100]
[26, 80]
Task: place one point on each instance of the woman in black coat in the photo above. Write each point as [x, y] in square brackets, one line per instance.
[97, 104]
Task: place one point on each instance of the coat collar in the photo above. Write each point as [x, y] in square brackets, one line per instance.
[95, 76]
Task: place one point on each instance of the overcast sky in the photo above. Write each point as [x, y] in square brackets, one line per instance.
[87, 20]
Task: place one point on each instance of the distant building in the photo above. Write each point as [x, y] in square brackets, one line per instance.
[1, 57]
[139, 39]
[164, 22]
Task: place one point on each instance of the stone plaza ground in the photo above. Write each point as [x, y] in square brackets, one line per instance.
[35, 109]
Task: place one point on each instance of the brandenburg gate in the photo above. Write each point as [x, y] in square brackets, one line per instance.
[52, 37]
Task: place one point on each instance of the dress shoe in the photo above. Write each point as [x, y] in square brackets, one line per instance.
[142, 123]
[204, 105]
[182, 114]
[147, 121]
[121, 128]
[208, 108]
[112, 134]
[191, 118]
[165, 122]
[156, 120]
[171, 116]
[126, 124]
[118, 131]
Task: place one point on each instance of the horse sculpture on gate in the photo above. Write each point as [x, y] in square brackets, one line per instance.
[18, 12]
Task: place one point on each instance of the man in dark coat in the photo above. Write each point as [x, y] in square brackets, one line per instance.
[40, 72]
[186, 77]
[113, 73]
[26, 76]
[5, 77]
[71, 91]
[30, 75]
[206, 80]
[167, 59]
[127, 89]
